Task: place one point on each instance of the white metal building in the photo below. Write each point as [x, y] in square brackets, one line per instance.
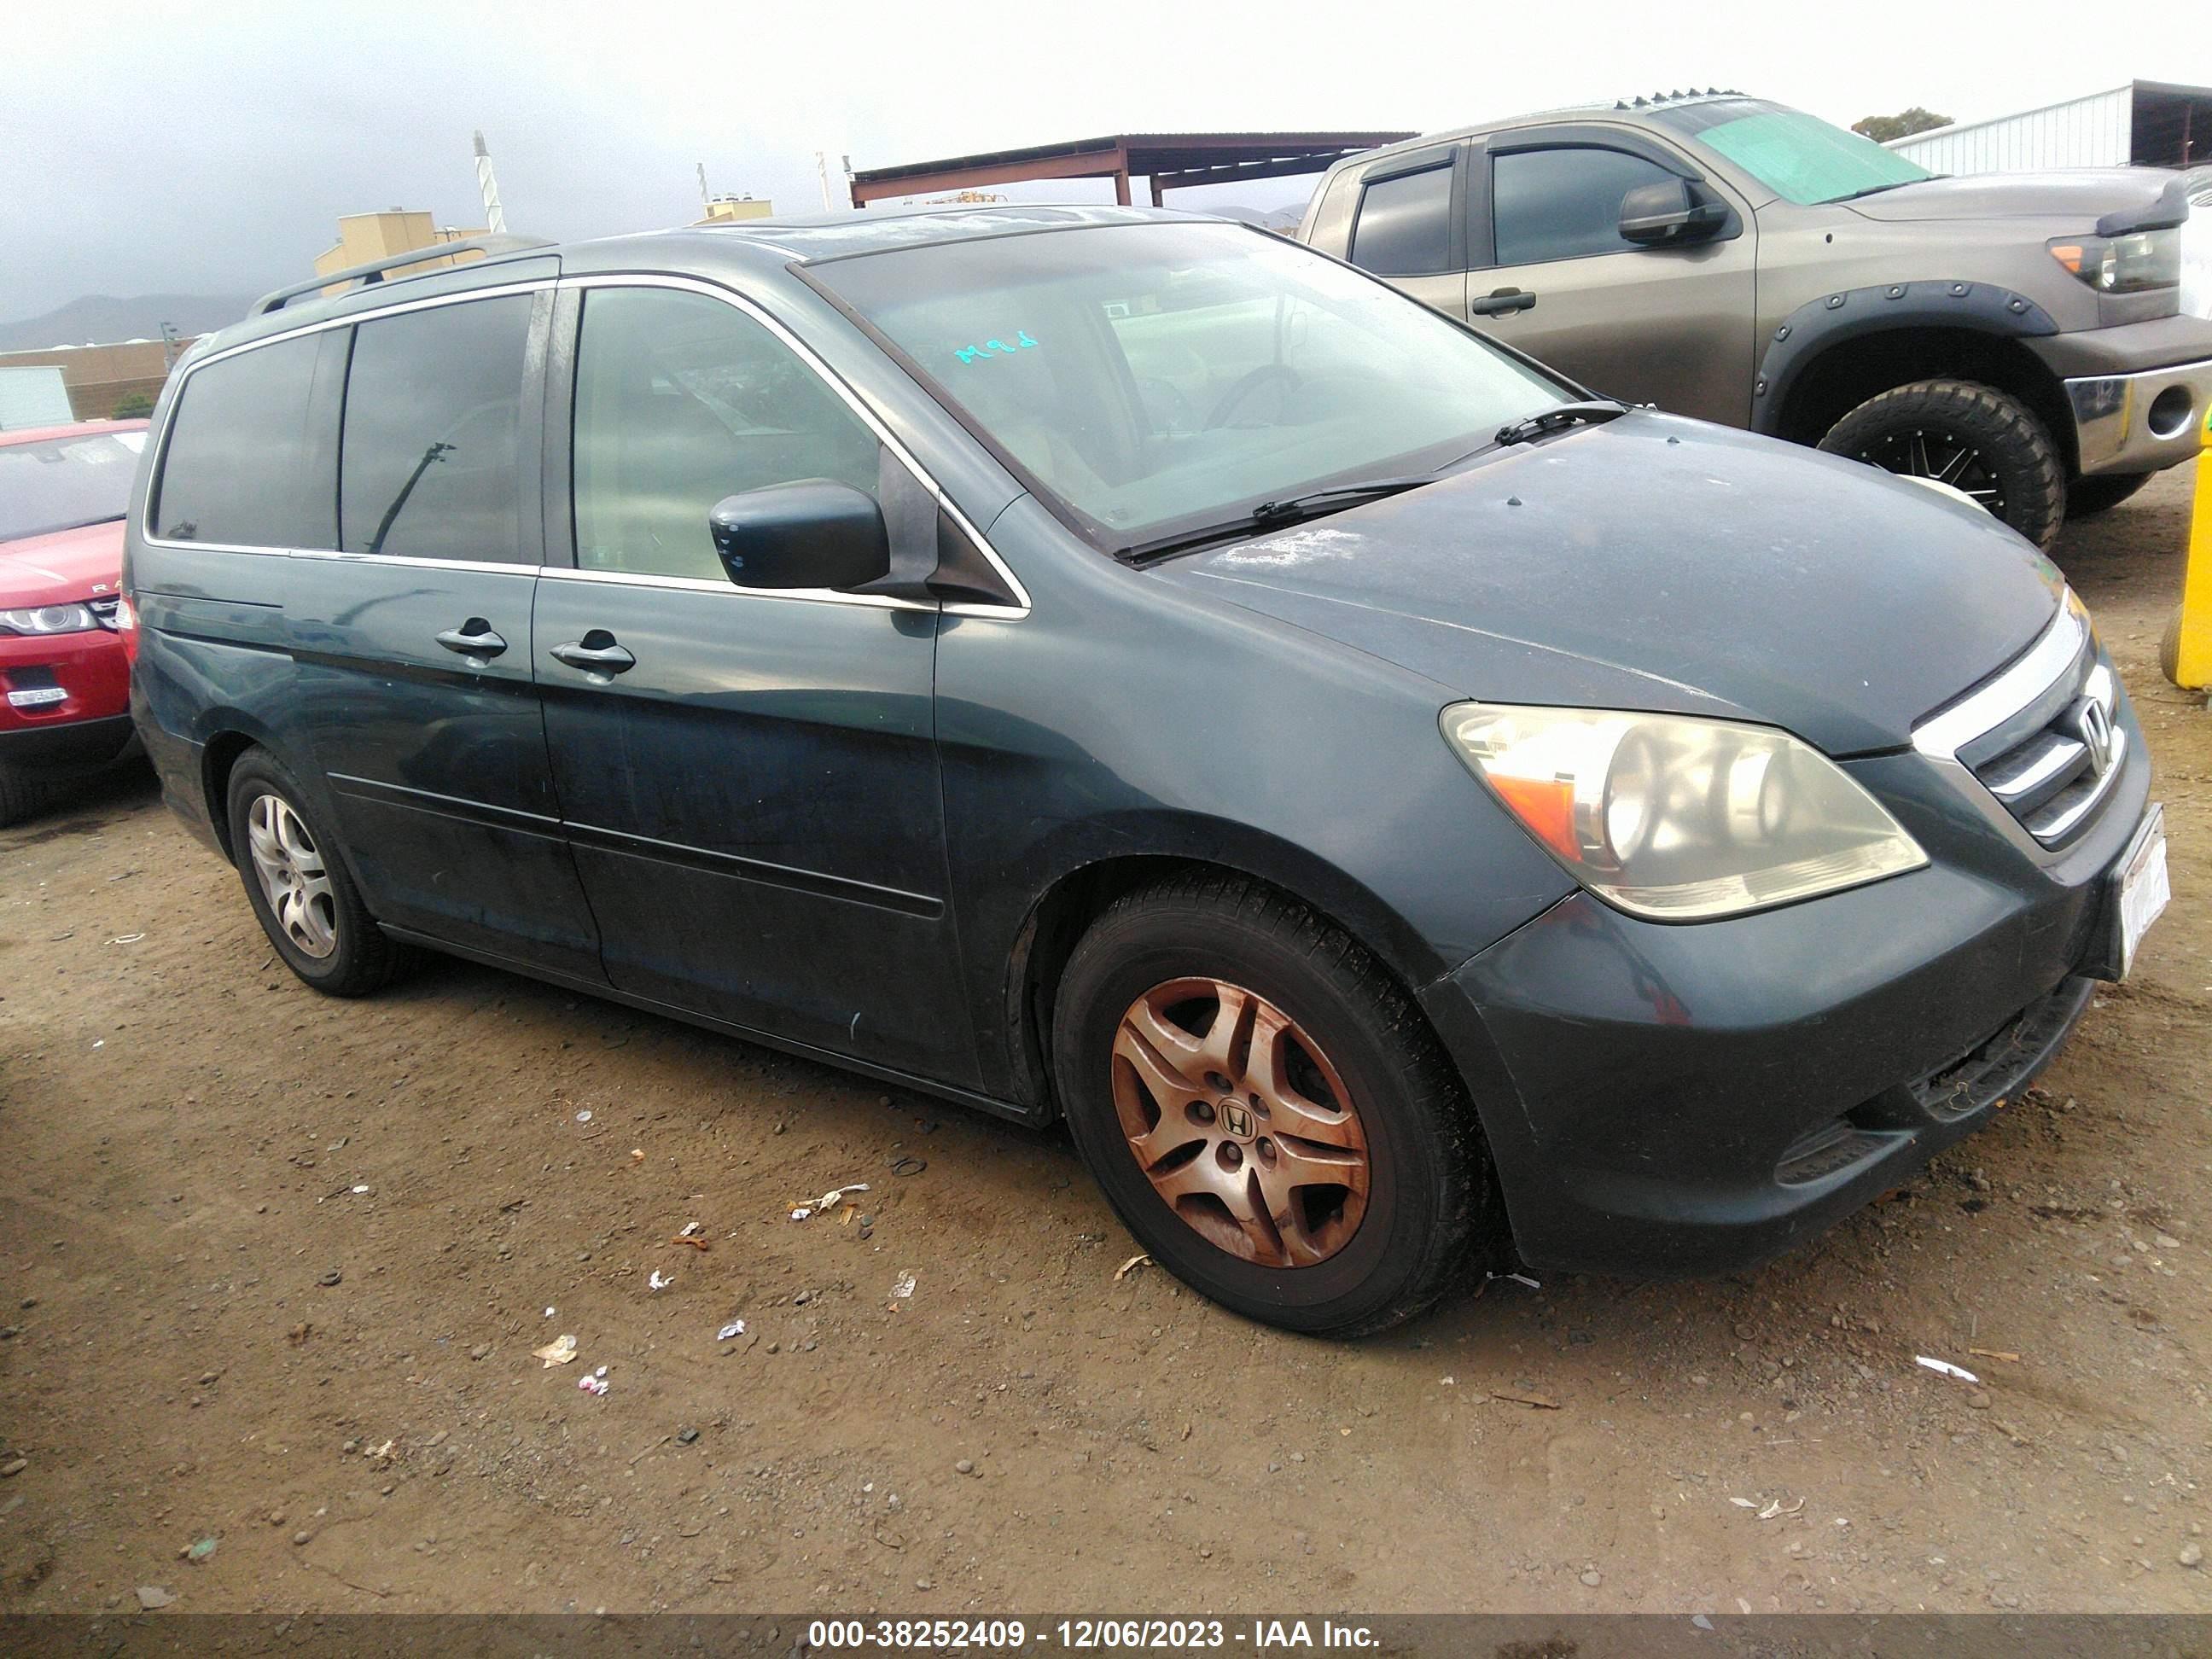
[33, 397]
[2157, 124]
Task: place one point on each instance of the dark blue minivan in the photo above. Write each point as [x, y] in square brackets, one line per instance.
[1403, 811]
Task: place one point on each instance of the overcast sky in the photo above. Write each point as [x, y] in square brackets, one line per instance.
[208, 147]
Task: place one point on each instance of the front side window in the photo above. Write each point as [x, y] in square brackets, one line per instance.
[63, 483]
[428, 465]
[236, 468]
[1564, 203]
[682, 399]
[1404, 228]
[1800, 157]
[1155, 380]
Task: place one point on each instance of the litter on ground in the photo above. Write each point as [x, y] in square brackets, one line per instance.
[1944, 1367]
[1131, 1265]
[657, 1282]
[735, 1327]
[902, 1287]
[558, 1352]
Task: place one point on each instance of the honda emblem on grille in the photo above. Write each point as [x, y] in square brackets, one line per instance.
[2094, 727]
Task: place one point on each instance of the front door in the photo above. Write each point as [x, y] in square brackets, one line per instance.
[748, 779]
[412, 636]
[1673, 326]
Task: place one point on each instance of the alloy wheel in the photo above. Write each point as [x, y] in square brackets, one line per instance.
[1240, 1121]
[1943, 457]
[294, 879]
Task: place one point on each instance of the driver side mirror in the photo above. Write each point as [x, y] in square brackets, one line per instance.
[1669, 213]
[813, 533]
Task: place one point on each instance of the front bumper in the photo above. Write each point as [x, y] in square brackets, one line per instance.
[2138, 392]
[64, 700]
[1663, 1100]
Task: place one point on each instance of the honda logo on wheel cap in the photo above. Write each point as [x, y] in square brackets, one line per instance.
[1235, 1120]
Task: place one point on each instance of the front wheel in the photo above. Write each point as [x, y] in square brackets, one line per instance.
[299, 887]
[1267, 1110]
[1980, 441]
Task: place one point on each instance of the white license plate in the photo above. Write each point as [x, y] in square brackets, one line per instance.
[2144, 889]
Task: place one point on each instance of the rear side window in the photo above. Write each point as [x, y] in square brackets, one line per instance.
[681, 400]
[238, 466]
[1404, 228]
[1562, 204]
[428, 454]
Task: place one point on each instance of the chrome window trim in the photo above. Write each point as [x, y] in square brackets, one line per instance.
[1943, 734]
[634, 279]
[708, 585]
[867, 416]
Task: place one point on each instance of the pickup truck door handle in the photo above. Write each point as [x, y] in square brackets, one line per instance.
[473, 638]
[596, 652]
[1502, 300]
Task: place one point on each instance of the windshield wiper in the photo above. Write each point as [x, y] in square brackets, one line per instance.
[1315, 502]
[1272, 514]
[1558, 417]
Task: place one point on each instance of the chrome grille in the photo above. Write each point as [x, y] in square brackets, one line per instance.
[2044, 738]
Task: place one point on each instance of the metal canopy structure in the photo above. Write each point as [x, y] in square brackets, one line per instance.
[1169, 160]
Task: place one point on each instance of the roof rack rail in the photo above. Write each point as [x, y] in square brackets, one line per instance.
[489, 246]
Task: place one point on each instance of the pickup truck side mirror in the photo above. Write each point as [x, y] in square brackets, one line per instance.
[1669, 213]
[813, 533]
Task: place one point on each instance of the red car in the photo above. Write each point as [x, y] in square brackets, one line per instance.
[64, 681]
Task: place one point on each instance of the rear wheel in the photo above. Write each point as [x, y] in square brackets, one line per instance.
[1267, 1110]
[2086, 496]
[298, 885]
[1984, 442]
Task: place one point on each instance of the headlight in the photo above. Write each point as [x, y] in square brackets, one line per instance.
[2123, 264]
[1679, 819]
[49, 619]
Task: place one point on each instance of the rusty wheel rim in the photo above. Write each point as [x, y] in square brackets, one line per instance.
[1241, 1122]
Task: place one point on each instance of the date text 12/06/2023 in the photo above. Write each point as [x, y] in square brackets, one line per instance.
[1089, 1635]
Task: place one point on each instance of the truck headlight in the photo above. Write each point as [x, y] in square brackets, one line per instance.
[49, 619]
[1676, 818]
[2123, 264]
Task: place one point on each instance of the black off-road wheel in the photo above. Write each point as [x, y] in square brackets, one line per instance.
[1267, 1111]
[1985, 443]
[2085, 497]
[298, 884]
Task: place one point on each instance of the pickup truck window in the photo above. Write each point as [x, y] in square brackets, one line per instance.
[1404, 228]
[1562, 202]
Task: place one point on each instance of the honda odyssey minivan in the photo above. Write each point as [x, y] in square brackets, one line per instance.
[1404, 813]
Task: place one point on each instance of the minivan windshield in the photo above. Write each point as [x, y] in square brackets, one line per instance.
[1156, 378]
[1800, 157]
[61, 483]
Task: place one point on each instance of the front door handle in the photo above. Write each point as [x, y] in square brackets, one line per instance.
[1499, 300]
[596, 653]
[473, 638]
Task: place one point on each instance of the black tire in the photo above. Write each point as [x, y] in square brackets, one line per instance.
[21, 795]
[1987, 441]
[2085, 497]
[360, 959]
[1428, 1201]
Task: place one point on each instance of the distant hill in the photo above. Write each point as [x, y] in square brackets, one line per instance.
[98, 318]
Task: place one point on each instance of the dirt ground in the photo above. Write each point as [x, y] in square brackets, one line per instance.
[274, 1266]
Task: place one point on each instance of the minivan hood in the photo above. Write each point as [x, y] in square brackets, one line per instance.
[2085, 194]
[1664, 564]
[67, 565]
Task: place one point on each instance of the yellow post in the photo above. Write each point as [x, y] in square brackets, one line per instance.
[2186, 655]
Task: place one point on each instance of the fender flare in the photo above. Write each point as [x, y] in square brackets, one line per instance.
[1849, 313]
